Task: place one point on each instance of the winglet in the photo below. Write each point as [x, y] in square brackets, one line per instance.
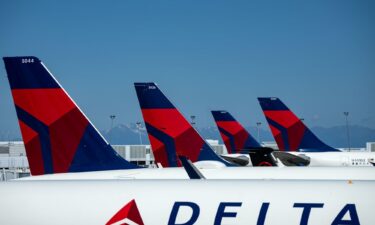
[372, 161]
[190, 169]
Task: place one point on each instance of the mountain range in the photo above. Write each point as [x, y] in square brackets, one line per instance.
[335, 136]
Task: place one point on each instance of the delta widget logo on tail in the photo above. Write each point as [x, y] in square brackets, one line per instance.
[128, 215]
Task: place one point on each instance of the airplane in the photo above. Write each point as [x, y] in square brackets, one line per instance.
[170, 134]
[292, 135]
[239, 141]
[62, 144]
[188, 202]
[228, 173]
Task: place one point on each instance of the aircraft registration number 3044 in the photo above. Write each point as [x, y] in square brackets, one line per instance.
[27, 60]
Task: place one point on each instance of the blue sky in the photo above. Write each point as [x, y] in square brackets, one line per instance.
[318, 56]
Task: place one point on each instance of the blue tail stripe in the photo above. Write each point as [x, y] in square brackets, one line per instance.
[167, 141]
[284, 133]
[231, 138]
[43, 134]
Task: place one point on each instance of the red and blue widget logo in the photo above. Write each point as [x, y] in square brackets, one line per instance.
[128, 215]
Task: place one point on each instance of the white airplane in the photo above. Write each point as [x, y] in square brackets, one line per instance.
[293, 136]
[232, 173]
[62, 142]
[109, 202]
[351, 159]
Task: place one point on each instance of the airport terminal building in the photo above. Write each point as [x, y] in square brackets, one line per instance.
[14, 164]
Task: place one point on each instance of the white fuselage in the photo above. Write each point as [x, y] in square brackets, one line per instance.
[187, 202]
[257, 173]
[351, 159]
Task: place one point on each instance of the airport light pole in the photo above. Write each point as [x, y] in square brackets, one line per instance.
[9, 142]
[346, 114]
[139, 126]
[258, 126]
[192, 117]
[112, 117]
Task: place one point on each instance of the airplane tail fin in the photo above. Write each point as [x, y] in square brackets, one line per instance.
[170, 134]
[58, 137]
[234, 135]
[290, 133]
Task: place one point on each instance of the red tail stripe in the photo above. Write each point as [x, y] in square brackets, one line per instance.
[65, 135]
[169, 121]
[284, 118]
[232, 127]
[47, 105]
